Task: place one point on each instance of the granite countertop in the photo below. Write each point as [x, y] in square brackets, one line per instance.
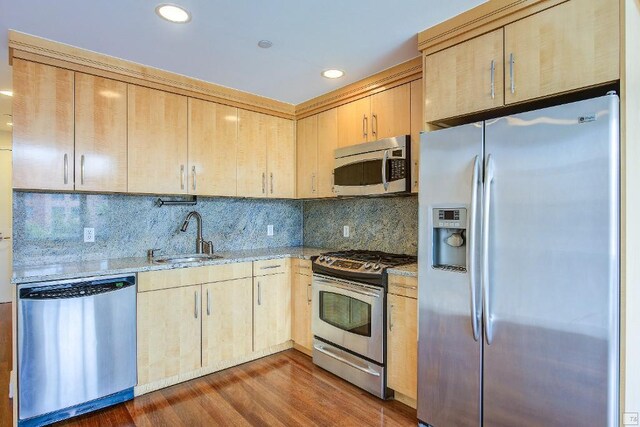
[117, 266]
[410, 270]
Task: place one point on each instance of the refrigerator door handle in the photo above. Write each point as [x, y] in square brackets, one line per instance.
[486, 215]
[471, 248]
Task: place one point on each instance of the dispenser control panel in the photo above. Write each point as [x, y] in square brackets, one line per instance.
[450, 218]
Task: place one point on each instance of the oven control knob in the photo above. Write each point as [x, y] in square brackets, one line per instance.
[321, 259]
[367, 265]
[376, 267]
[327, 259]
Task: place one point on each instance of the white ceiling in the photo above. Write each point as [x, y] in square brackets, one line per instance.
[219, 45]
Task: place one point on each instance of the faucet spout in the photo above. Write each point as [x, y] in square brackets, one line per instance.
[201, 245]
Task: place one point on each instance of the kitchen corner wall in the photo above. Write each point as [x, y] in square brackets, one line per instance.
[388, 224]
[48, 227]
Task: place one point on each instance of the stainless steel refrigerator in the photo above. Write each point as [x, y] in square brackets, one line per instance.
[519, 270]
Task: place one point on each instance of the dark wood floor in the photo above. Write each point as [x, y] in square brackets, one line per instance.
[285, 389]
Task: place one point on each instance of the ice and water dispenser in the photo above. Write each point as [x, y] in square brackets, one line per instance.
[450, 239]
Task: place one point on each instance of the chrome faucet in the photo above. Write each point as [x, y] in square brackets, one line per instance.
[202, 247]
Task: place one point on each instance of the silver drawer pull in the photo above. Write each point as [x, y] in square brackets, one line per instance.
[269, 267]
[331, 354]
[404, 286]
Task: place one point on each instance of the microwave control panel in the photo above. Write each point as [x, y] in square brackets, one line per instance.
[397, 169]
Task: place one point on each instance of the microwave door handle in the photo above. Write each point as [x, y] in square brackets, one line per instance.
[385, 157]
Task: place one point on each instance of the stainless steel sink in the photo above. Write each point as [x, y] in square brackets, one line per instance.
[183, 259]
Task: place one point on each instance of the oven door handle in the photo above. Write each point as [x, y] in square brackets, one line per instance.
[331, 354]
[336, 283]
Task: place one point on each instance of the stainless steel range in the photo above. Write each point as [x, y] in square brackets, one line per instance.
[349, 315]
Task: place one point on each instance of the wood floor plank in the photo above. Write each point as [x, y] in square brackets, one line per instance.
[285, 389]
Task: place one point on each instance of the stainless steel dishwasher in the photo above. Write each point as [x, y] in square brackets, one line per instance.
[76, 347]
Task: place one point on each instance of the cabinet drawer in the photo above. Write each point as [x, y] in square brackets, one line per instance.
[270, 266]
[301, 266]
[164, 279]
[403, 286]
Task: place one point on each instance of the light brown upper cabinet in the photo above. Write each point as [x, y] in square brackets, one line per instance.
[265, 156]
[465, 78]
[281, 157]
[568, 47]
[307, 157]
[213, 133]
[43, 150]
[382, 115]
[416, 128]
[100, 134]
[316, 142]
[157, 133]
[391, 113]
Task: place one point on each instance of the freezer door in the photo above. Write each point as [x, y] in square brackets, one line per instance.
[551, 289]
[449, 354]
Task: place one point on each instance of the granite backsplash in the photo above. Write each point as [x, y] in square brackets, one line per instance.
[48, 227]
[388, 224]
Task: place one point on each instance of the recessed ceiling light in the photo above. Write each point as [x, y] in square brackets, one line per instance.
[265, 44]
[6, 92]
[173, 13]
[332, 74]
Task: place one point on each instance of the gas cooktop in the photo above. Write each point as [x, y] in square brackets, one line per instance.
[359, 265]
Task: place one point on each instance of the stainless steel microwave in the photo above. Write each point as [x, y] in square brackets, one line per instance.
[373, 168]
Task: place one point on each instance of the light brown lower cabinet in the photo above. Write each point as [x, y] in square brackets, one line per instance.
[402, 345]
[271, 310]
[169, 340]
[226, 321]
[301, 298]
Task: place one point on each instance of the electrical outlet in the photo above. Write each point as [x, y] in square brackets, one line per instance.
[345, 231]
[89, 235]
[630, 419]
[270, 230]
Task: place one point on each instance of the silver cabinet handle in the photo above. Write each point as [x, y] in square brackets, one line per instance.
[493, 79]
[329, 353]
[385, 157]
[271, 177]
[82, 170]
[471, 248]
[66, 168]
[182, 177]
[259, 295]
[264, 182]
[208, 303]
[313, 182]
[309, 293]
[195, 304]
[365, 126]
[390, 317]
[269, 267]
[486, 215]
[374, 125]
[512, 61]
[193, 170]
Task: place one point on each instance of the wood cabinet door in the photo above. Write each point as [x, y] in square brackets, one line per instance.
[402, 345]
[169, 341]
[391, 113]
[458, 80]
[281, 158]
[327, 143]
[271, 310]
[100, 134]
[157, 132]
[42, 127]
[213, 132]
[301, 315]
[354, 122]
[416, 128]
[307, 157]
[573, 45]
[252, 154]
[227, 326]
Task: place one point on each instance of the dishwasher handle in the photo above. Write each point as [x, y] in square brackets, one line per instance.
[78, 289]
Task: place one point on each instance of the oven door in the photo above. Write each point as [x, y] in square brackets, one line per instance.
[350, 315]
